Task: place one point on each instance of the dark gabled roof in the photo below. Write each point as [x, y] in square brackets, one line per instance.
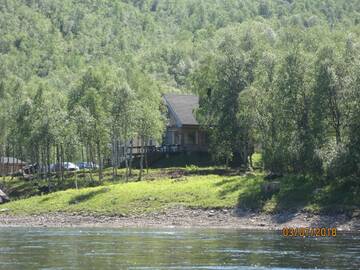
[183, 106]
[11, 160]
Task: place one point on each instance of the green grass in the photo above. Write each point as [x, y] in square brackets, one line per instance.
[190, 186]
[19, 188]
[210, 191]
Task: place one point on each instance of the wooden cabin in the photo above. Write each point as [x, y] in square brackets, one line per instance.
[183, 132]
[10, 165]
[182, 128]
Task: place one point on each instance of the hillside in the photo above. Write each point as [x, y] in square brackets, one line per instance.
[56, 40]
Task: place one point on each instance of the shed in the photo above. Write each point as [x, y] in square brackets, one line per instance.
[10, 165]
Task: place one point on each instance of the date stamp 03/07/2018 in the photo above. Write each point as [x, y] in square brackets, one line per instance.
[308, 232]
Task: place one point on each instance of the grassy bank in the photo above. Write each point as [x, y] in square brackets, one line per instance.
[195, 188]
[207, 191]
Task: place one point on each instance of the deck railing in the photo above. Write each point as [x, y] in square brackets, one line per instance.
[136, 150]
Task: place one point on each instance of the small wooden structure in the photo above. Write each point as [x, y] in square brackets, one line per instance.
[10, 165]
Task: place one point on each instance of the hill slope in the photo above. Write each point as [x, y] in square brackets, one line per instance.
[57, 39]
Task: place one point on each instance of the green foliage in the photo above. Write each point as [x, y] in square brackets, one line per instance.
[296, 91]
[280, 77]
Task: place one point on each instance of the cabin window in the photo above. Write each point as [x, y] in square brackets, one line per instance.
[169, 137]
[191, 139]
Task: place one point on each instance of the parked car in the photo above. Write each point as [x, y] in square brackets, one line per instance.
[70, 166]
[66, 166]
[87, 165]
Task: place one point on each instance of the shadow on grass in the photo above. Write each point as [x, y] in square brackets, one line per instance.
[23, 189]
[295, 193]
[339, 201]
[227, 182]
[249, 188]
[87, 196]
[19, 188]
[48, 198]
[341, 196]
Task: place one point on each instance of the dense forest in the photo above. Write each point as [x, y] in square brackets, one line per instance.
[276, 76]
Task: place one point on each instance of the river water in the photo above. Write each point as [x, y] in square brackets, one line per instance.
[144, 249]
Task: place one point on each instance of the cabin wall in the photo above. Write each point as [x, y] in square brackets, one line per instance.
[191, 138]
[8, 169]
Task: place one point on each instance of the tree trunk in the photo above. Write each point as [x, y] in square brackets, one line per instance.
[125, 153]
[113, 158]
[62, 162]
[251, 163]
[100, 161]
[38, 162]
[141, 160]
[82, 153]
[3, 153]
[146, 159]
[335, 114]
[48, 150]
[131, 158]
[57, 161]
[42, 162]
[13, 164]
[90, 159]
[76, 180]
[117, 158]
[338, 133]
[126, 161]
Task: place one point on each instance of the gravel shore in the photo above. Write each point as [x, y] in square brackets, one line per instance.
[182, 217]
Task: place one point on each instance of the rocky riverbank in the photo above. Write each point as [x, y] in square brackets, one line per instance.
[183, 217]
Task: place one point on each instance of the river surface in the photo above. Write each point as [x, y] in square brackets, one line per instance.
[144, 249]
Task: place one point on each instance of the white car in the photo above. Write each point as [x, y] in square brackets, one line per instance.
[66, 166]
